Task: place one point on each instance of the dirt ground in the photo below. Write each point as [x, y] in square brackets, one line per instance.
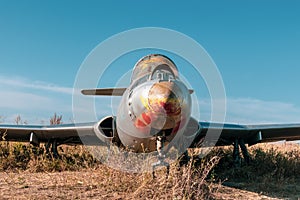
[83, 180]
[87, 184]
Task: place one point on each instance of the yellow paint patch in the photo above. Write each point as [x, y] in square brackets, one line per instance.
[145, 102]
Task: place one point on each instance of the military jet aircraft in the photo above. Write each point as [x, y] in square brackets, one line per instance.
[154, 110]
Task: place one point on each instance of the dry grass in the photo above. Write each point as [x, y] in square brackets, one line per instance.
[30, 173]
[183, 182]
[19, 157]
[274, 170]
[26, 167]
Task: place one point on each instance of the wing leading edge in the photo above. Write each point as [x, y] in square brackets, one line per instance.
[65, 133]
[108, 91]
[69, 133]
[251, 134]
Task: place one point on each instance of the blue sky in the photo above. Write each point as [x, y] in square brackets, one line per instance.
[255, 45]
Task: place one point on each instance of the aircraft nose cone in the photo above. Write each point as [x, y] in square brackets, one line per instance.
[163, 98]
[164, 101]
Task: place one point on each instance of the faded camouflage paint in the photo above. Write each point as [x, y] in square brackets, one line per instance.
[163, 107]
[147, 64]
[161, 98]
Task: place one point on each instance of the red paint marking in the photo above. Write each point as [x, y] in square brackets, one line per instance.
[140, 124]
[146, 118]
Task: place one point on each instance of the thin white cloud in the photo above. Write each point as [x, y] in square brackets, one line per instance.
[15, 100]
[254, 111]
[33, 108]
[33, 100]
[38, 85]
[21, 100]
[36, 101]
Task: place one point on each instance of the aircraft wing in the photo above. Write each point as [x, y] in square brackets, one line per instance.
[251, 134]
[104, 91]
[64, 133]
[109, 91]
[69, 133]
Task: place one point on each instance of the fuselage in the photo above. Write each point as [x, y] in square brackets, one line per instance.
[156, 102]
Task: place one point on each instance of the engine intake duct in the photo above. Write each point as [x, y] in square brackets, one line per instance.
[106, 130]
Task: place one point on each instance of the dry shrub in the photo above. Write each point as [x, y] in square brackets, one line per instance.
[186, 182]
[198, 179]
[17, 156]
[271, 167]
[56, 119]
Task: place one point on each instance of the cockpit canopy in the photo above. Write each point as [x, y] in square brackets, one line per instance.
[153, 66]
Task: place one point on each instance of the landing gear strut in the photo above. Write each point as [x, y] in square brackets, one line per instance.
[160, 140]
[239, 142]
[53, 143]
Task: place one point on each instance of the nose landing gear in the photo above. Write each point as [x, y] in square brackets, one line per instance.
[160, 140]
